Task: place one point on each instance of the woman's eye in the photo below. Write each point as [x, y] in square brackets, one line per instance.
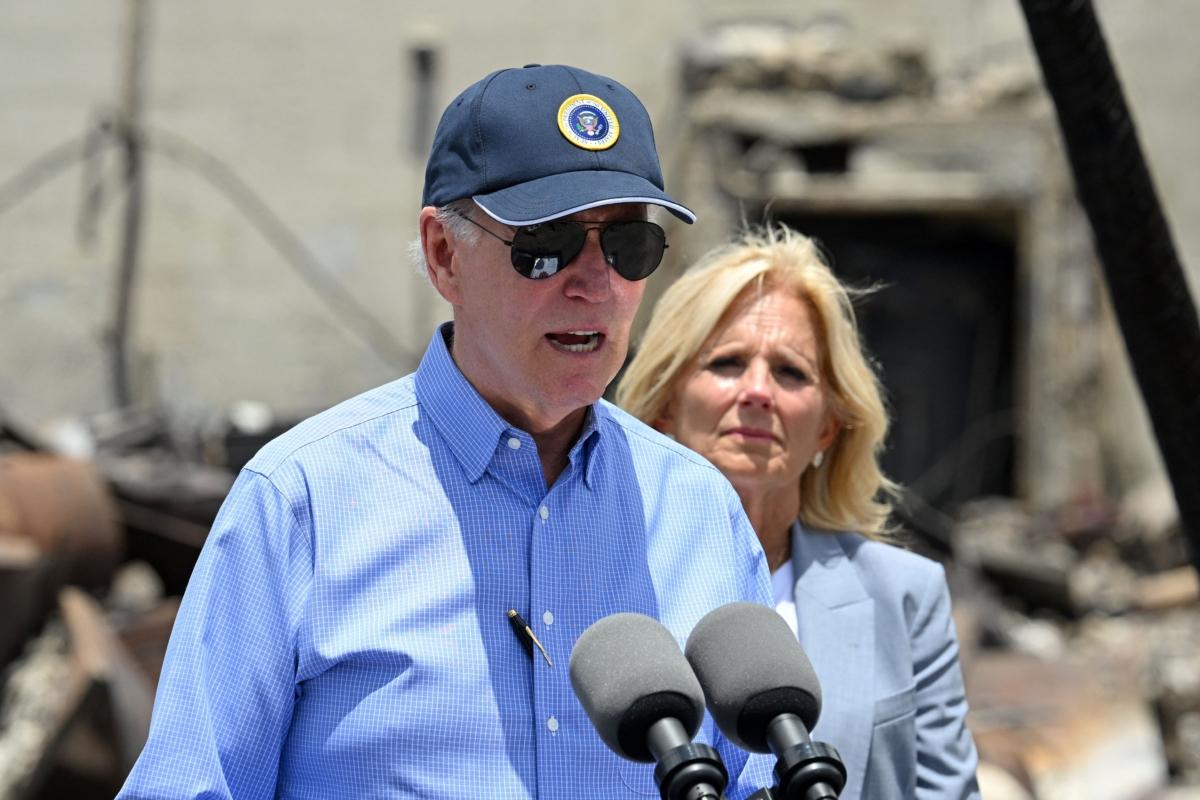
[793, 374]
[725, 364]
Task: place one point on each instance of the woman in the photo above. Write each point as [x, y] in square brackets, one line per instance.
[753, 360]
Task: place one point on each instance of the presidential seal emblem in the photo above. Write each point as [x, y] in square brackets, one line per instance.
[588, 122]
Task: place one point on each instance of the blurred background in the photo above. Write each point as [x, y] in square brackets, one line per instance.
[205, 215]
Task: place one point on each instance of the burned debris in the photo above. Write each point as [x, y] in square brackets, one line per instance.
[1079, 650]
[94, 554]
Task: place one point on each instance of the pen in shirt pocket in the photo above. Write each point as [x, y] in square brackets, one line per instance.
[525, 635]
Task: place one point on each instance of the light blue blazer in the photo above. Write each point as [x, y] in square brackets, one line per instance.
[875, 622]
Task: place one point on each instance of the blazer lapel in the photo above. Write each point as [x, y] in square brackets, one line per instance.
[836, 622]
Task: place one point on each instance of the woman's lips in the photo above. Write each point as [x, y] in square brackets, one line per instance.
[753, 433]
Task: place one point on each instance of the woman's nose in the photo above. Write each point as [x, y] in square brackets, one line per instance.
[756, 388]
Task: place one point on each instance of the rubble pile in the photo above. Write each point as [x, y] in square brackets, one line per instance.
[30, 709]
[85, 626]
[75, 706]
[1080, 633]
[820, 57]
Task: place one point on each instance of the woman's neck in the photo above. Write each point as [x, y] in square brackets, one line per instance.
[771, 514]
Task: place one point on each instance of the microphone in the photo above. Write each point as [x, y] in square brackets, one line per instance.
[645, 702]
[764, 696]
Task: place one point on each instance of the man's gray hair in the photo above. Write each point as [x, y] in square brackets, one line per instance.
[452, 217]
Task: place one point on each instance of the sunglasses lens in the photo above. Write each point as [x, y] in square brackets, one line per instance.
[540, 251]
[633, 249]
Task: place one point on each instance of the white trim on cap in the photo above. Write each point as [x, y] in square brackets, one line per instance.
[654, 201]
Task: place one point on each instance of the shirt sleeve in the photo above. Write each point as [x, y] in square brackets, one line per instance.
[224, 699]
[946, 756]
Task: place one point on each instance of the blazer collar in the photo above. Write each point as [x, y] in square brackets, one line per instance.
[835, 617]
[823, 569]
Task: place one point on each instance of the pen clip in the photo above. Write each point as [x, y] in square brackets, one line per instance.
[525, 634]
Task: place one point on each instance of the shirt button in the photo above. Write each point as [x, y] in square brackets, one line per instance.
[552, 724]
[514, 443]
[544, 512]
[548, 618]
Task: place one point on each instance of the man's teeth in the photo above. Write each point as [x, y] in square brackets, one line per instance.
[591, 343]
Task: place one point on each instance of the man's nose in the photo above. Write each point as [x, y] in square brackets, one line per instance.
[589, 275]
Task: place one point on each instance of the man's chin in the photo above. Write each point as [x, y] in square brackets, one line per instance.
[572, 397]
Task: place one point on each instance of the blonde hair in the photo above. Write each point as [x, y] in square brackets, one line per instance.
[850, 492]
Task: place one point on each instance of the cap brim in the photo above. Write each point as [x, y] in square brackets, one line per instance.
[566, 193]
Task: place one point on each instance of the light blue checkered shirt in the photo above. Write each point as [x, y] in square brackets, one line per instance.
[344, 634]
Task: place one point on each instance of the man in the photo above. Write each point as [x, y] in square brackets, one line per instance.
[347, 629]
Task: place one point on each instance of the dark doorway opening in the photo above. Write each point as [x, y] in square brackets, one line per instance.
[942, 329]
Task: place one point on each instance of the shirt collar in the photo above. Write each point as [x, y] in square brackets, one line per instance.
[470, 427]
[588, 445]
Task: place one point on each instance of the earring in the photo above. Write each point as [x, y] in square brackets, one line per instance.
[818, 459]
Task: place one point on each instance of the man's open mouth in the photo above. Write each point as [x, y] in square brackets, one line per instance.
[576, 341]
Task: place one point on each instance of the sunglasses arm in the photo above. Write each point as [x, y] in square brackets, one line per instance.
[488, 231]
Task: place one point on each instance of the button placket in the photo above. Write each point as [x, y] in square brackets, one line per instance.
[552, 687]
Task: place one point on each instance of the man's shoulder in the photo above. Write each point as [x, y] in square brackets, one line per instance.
[328, 429]
[645, 442]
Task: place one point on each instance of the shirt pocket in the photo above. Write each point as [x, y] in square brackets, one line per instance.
[895, 706]
[638, 777]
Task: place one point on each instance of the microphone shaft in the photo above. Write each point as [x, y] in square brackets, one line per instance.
[785, 731]
[665, 735]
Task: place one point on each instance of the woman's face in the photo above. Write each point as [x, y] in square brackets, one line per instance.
[753, 402]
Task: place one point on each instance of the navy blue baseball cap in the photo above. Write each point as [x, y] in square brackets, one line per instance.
[540, 142]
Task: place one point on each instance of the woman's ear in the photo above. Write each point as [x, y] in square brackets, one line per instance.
[665, 422]
[833, 426]
[440, 263]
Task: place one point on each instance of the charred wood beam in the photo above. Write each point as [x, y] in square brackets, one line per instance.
[1146, 283]
[102, 656]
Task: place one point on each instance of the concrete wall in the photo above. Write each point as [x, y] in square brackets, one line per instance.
[311, 104]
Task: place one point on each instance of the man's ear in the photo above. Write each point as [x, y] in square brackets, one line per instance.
[440, 264]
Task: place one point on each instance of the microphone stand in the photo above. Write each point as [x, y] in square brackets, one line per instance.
[804, 769]
[684, 770]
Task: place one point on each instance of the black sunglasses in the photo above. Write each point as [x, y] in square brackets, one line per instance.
[634, 248]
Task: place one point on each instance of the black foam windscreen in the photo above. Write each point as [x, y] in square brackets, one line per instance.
[752, 669]
[629, 673]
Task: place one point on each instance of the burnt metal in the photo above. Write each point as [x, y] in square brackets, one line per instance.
[167, 506]
[64, 507]
[58, 525]
[24, 576]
